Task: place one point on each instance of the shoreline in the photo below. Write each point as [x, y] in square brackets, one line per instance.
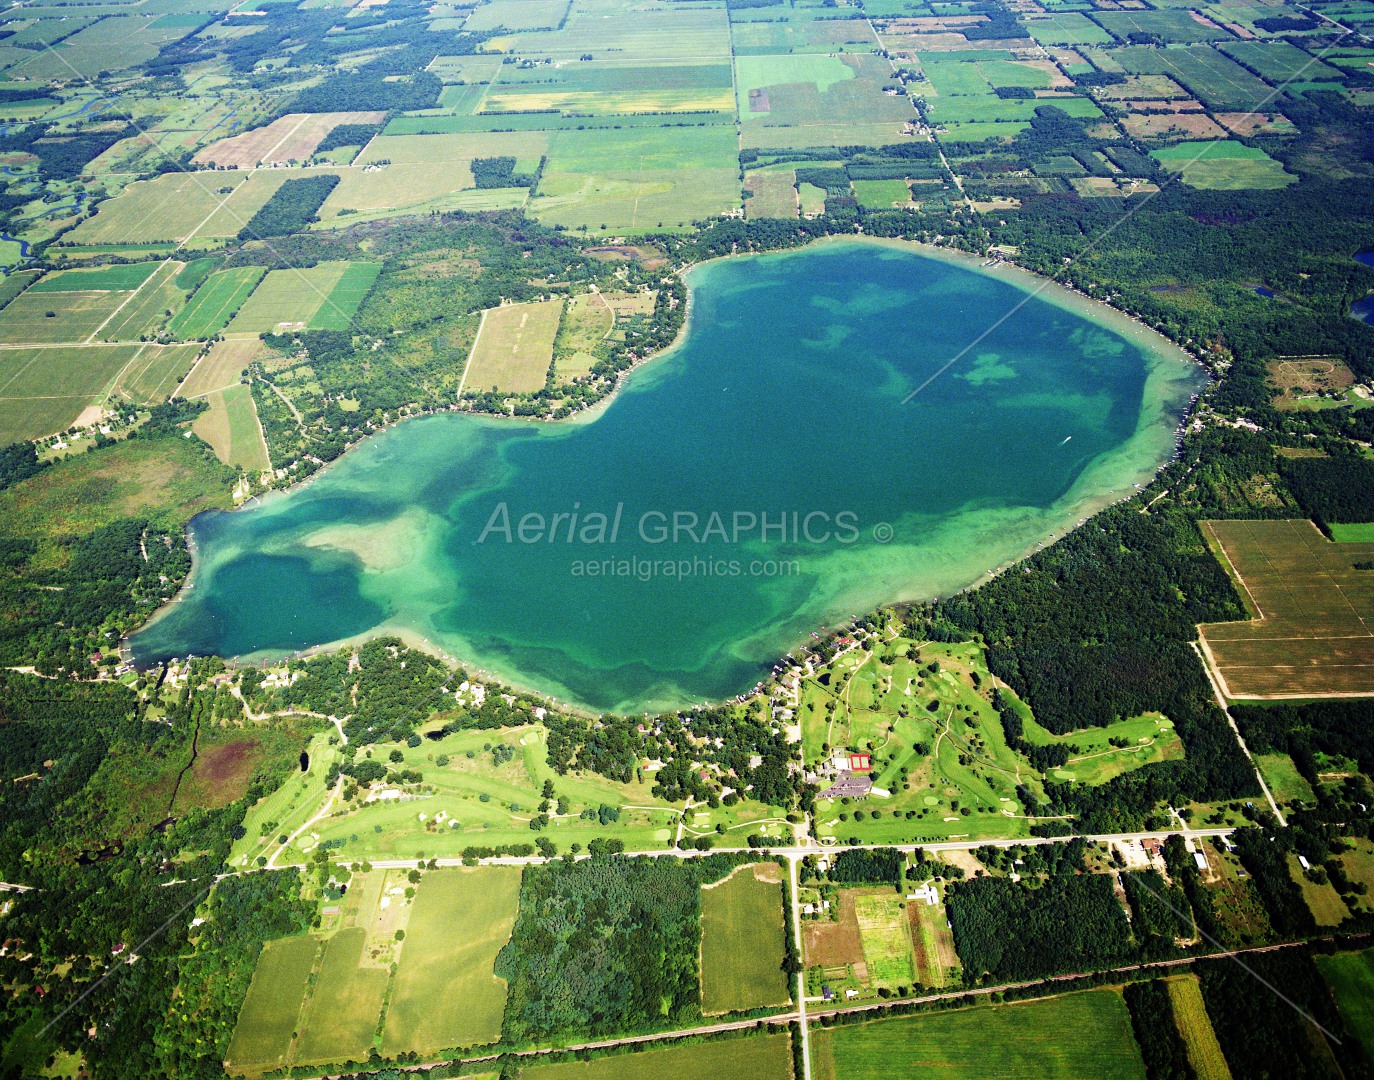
[1074, 502]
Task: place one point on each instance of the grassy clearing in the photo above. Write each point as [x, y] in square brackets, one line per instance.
[1287, 784]
[587, 321]
[767, 1057]
[937, 963]
[878, 194]
[1351, 978]
[215, 303]
[1094, 759]
[774, 194]
[1190, 1016]
[515, 347]
[1324, 901]
[742, 942]
[445, 993]
[1314, 637]
[1362, 533]
[262, 1036]
[1076, 1035]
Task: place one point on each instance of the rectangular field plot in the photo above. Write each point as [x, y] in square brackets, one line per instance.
[1279, 61]
[638, 178]
[742, 941]
[774, 194]
[766, 1057]
[595, 89]
[49, 318]
[262, 1036]
[445, 993]
[1182, 27]
[828, 91]
[1314, 636]
[609, 30]
[1224, 165]
[231, 428]
[412, 188]
[1065, 28]
[518, 15]
[108, 45]
[337, 311]
[222, 365]
[44, 390]
[287, 299]
[124, 278]
[1077, 1035]
[215, 303]
[885, 931]
[1203, 72]
[587, 322]
[346, 1000]
[177, 205]
[514, 349]
[937, 964]
[292, 137]
[1190, 1017]
[152, 375]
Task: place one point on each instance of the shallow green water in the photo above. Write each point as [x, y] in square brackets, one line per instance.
[785, 400]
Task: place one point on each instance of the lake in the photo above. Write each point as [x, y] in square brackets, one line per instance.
[769, 476]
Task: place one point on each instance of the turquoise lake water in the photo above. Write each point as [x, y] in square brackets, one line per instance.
[775, 437]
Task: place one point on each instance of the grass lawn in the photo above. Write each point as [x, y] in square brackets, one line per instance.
[262, 1036]
[742, 942]
[1351, 978]
[1077, 1035]
[515, 347]
[1287, 784]
[880, 194]
[445, 993]
[767, 1057]
[1324, 901]
[1190, 1017]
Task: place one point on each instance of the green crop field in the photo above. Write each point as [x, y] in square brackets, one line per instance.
[445, 993]
[107, 278]
[885, 931]
[287, 299]
[175, 206]
[1214, 79]
[1077, 1035]
[877, 194]
[341, 1017]
[1190, 1017]
[1180, 27]
[215, 303]
[336, 313]
[1223, 165]
[1065, 28]
[1280, 61]
[1361, 533]
[609, 30]
[766, 1057]
[1351, 978]
[146, 311]
[51, 318]
[742, 942]
[1314, 637]
[517, 15]
[152, 375]
[43, 390]
[514, 348]
[774, 193]
[262, 1035]
[230, 426]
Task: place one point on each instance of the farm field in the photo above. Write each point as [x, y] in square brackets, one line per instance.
[222, 365]
[1351, 978]
[754, 1057]
[445, 993]
[287, 299]
[1285, 782]
[742, 941]
[1223, 166]
[215, 303]
[881, 193]
[410, 188]
[937, 963]
[1179, 27]
[45, 390]
[587, 321]
[1085, 1034]
[60, 316]
[230, 426]
[1190, 1016]
[1065, 28]
[774, 193]
[289, 138]
[1312, 638]
[341, 1016]
[1205, 73]
[518, 15]
[1357, 533]
[151, 376]
[177, 206]
[262, 1036]
[514, 348]
[337, 311]
[885, 931]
